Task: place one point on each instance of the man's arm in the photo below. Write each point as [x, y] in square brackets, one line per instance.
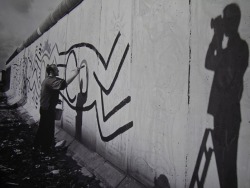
[213, 55]
[76, 72]
[69, 80]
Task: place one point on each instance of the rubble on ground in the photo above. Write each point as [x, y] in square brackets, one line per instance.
[20, 166]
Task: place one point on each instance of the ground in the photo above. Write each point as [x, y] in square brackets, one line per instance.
[20, 166]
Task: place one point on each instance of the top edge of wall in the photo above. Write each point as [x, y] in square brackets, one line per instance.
[62, 9]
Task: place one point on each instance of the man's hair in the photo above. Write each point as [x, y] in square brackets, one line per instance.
[50, 68]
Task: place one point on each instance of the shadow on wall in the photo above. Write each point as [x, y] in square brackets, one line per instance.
[161, 182]
[80, 101]
[229, 65]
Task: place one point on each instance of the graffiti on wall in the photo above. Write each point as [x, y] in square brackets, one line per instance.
[19, 78]
[36, 62]
[82, 96]
[33, 81]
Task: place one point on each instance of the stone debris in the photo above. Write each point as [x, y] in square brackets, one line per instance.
[20, 166]
[60, 144]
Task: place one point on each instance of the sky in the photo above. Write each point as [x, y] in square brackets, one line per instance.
[18, 20]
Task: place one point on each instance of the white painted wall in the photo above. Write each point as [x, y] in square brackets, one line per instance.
[155, 81]
[159, 90]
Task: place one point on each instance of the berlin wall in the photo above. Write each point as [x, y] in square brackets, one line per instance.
[146, 99]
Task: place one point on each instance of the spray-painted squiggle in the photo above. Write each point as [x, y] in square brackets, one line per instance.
[36, 63]
[107, 91]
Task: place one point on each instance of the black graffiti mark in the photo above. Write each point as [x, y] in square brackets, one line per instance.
[112, 50]
[61, 65]
[24, 89]
[102, 89]
[33, 79]
[15, 77]
[49, 54]
[77, 108]
[74, 55]
[39, 60]
[32, 86]
[115, 109]
[28, 83]
[90, 46]
[119, 131]
[107, 91]
[89, 107]
[15, 64]
[34, 68]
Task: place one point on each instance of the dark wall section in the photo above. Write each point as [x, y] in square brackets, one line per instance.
[5, 84]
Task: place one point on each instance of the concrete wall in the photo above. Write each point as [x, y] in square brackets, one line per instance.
[142, 100]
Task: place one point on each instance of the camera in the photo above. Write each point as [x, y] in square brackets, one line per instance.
[217, 22]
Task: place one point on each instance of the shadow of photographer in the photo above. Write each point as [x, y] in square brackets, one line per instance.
[229, 65]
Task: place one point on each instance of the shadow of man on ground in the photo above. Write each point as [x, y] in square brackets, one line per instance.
[80, 101]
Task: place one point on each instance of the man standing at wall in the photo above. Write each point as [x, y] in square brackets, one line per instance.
[48, 100]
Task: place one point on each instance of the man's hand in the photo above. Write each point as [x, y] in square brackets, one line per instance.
[82, 65]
